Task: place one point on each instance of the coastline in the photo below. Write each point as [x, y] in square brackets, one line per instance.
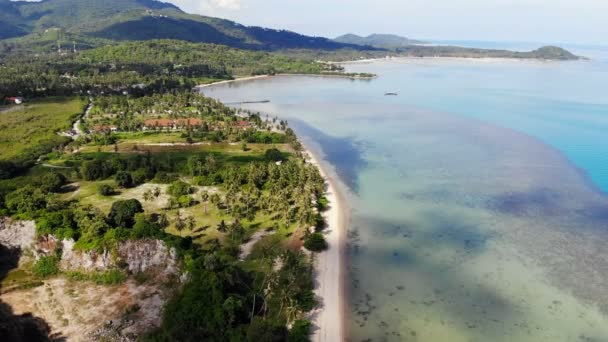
[448, 58]
[258, 77]
[238, 79]
[329, 319]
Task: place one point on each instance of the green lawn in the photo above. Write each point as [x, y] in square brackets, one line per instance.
[34, 125]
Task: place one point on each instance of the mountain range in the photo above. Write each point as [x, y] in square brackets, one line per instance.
[381, 41]
[50, 25]
[122, 20]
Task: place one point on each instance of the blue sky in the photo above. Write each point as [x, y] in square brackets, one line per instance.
[548, 21]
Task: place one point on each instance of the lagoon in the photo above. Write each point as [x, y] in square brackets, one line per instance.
[477, 194]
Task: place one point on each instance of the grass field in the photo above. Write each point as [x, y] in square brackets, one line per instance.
[34, 125]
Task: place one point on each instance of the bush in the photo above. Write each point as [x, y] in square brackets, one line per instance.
[165, 178]
[123, 213]
[112, 277]
[178, 189]
[105, 190]
[300, 332]
[140, 176]
[52, 182]
[274, 155]
[315, 242]
[46, 266]
[96, 169]
[185, 201]
[124, 179]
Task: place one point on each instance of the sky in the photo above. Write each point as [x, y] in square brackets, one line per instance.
[547, 21]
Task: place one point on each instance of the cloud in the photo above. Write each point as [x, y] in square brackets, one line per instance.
[227, 4]
[207, 6]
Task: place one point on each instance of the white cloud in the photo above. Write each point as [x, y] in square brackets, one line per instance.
[207, 6]
[227, 4]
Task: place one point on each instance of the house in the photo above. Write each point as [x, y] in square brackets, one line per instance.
[105, 129]
[15, 100]
[244, 125]
[190, 122]
[158, 124]
[170, 124]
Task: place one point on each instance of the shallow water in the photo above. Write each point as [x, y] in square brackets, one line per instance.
[476, 210]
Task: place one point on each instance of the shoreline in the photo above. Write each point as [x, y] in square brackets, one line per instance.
[329, 319]
[450, 58]
[238, 79]
[259, 77]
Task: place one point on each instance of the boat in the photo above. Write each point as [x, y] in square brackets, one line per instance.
[391, 94]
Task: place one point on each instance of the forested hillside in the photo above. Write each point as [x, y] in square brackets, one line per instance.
[141, 20]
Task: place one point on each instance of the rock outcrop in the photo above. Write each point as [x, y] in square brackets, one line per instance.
[135, 256]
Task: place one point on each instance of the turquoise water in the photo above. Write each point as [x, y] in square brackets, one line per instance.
[477, 210]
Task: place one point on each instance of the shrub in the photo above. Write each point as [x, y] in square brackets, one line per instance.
[179, 189]
[300, 332]
[123, 213]
[46, 266]
[52, 181]
[105, 190]
[26, 200]
[185, 201]
[165, 178]
[124, 179]
[139, 176]
[315, 242]
[273, 155]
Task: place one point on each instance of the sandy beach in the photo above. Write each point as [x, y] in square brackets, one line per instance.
[329, 318]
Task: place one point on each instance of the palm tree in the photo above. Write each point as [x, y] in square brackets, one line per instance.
[222, 227]
[156, 192]
[148, 196]
[179, 224]
[191, 223]
[205, 198]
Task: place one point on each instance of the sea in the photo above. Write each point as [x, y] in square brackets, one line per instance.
[477, 194]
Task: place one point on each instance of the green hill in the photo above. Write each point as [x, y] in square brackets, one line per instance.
[381, 41]
[142, 20]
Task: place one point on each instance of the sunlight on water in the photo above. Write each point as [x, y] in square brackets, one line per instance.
[463, 227]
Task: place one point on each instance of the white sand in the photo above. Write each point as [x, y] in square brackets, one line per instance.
[329, 266]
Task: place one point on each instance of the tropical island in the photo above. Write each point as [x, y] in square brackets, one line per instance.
[134, 207]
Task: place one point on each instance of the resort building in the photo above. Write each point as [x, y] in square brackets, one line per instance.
[172, 124]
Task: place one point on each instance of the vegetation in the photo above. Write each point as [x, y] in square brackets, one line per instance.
[381, 41]
[46, 266]
[93, 23]
[156, 161]
[212, 199]
[315, 242]
[29, 131]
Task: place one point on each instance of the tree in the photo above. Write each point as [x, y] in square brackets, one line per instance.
[25, 200]
[205, 199]
[156, 192]
[191, 222]
[222, 227]
[215, 200]
[123, 179]
[123, 213]
[179, 188]
[273, 155]
[52, 181]
[315, 242]
[148, 196]
[180, 224]
[105, 190]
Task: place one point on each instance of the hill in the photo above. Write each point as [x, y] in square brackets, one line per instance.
[381, 41]
[123, 20]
